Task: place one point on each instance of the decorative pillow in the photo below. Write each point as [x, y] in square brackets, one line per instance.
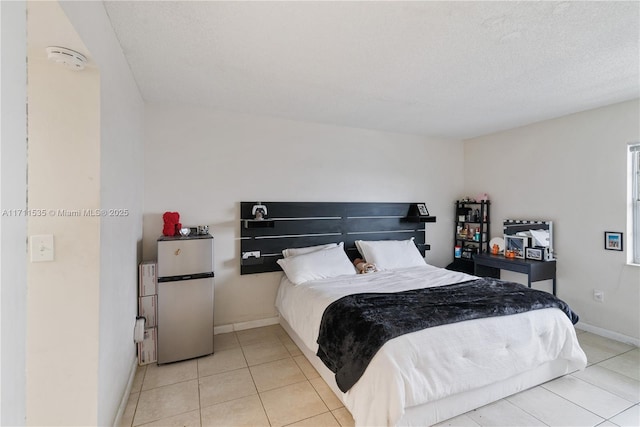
[301, 251]
[322, 264]
[391, 254]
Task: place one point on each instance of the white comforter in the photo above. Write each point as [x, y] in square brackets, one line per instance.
[436, 362]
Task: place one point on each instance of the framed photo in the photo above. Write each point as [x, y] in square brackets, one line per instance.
[516, 245]
[422, 209]
[613, 241]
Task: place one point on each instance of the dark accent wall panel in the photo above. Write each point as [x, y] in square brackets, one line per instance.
[300, 224]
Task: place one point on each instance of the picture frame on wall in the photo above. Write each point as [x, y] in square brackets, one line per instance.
[422, 209]
[613, 241]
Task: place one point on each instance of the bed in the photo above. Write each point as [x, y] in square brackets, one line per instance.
[411, 380]
[420, 377]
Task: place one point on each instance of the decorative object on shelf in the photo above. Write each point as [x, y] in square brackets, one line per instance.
[203, 229]
[463, 213]
[418, 212]
[418, 209]
[172, 224]
[251, 258]
[496, 242]
[482, 197]
[469, 252]
[613, 241]
[515, 245]
[184, 232]
[259, 220]
[259, 211]
[537, 253]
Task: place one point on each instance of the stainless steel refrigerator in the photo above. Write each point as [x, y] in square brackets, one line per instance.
[185, 297]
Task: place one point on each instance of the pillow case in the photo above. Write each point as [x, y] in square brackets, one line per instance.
[391, 254]
[301, 251]
[322, 264]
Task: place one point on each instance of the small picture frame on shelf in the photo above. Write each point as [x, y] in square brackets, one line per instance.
[613, 241]
[422, 209]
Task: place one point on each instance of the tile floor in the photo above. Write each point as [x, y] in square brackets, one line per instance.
[258, 377]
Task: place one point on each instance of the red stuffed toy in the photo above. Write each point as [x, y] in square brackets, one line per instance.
[172, 225]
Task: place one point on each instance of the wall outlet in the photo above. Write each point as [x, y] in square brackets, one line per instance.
[598, 295]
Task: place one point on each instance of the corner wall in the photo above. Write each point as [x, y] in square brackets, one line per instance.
[571, 170]
[63, 295]
[203, 163]
[121, 178]
[13, 227]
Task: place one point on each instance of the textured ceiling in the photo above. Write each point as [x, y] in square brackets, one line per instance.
[443, 69]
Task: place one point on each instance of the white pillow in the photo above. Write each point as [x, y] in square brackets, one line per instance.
[391, 254]
[322, 264]
[301, 251]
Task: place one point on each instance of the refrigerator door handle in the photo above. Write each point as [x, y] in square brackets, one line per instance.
[186, 277]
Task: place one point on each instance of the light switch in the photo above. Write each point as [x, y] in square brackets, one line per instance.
[42, 248]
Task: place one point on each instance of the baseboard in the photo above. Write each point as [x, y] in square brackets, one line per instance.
[125, 398]
[608, 334]
[245, 325]
[216, 330]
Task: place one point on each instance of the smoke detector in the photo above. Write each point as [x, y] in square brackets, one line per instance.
[69, 58]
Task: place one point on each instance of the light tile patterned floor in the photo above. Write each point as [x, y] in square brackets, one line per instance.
[259, 377]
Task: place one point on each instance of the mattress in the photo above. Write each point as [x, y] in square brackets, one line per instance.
[435, 363]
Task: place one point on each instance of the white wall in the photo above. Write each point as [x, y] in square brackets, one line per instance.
[79, 374]
[13, 228]
[203, 163]
[121, 178]
[573, 171]
[63, 295]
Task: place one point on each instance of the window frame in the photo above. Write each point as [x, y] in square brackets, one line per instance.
[634, 201]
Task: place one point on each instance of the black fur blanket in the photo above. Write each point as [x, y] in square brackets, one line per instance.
[354, 327]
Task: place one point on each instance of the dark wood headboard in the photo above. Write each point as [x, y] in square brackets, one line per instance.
[300, 224]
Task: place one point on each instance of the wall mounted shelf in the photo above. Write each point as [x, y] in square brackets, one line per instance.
[258, 223]
[420, 219]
